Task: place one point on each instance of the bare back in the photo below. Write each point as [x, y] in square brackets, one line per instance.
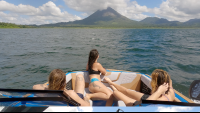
[170, 96]
[97, 67]
[40, 87]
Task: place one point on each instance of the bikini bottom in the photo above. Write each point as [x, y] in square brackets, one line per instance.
[80, 95]
[94, 79]
[144, 97]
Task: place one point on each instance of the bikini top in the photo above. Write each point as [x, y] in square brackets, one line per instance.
[91, 71]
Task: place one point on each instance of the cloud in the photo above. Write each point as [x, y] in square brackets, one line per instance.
[47, 13]
[178, 10]
[186, 6]
[173, 109]
[130, 9]
[23, 9]
[84, 14]
[173, 10]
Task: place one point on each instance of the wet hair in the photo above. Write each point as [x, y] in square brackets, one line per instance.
[159, 77]
[57, 80]
[93, 55]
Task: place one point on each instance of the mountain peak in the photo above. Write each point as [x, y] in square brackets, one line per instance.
[109, 12]
[109, 8]
[106, 15]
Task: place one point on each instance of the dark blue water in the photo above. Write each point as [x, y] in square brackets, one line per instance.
[27, 56]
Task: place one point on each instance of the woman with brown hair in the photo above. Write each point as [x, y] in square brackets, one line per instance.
[161, 89]
[57, 81]
[97, 88]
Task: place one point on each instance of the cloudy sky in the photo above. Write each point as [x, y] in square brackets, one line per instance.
[53, 11]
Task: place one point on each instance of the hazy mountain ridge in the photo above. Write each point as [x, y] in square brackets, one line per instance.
[111, 18]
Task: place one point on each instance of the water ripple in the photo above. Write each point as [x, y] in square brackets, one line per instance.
[27, 56]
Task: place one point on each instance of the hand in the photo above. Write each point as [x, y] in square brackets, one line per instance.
[163, 88]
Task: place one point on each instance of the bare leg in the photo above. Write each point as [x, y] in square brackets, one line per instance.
[100, 91]
[101, 96]
[97, 96]
[132, 94]
[120, 96]
[80, 84]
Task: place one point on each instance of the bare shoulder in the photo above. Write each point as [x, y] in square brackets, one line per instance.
[171, 90]
[97, 64]
[40, 87]
[69, 92]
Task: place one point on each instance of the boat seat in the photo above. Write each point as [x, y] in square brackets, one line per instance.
[119, 103]
[128, 80]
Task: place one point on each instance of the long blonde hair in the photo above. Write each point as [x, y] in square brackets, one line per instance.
[159, 77]
[57, 80]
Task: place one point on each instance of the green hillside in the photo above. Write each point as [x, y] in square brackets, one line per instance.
[160, 22]
[11, 25]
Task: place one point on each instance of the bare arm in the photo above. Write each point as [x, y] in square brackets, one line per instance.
[161, 90]
[170, 84]
[172, 89]
[101, 69]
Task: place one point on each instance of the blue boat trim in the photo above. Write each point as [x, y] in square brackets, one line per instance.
[180, 98]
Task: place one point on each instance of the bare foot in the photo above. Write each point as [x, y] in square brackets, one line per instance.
[108, 80]
[113, 87]
[87, 98]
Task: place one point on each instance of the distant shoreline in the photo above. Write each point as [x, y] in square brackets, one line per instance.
[90, 28]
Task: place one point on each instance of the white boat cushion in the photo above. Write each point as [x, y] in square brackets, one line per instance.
[146, 81]
[112, 76]
[68, 78]
[126, 77]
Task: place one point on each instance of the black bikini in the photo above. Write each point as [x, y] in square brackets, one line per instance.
[91, 71]
[80, 95]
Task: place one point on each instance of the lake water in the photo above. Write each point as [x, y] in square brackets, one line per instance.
[27, 56]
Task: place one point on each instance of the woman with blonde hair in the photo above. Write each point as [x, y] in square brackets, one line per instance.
[57, 81]
[162, 90]
[97, 88]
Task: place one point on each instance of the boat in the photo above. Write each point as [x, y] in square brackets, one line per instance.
[131, 80]
[135, 81]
